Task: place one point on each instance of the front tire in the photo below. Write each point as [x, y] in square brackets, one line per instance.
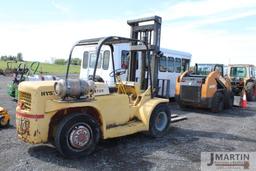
[159, 121]
[77, 135]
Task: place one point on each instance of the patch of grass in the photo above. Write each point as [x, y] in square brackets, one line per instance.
[45, 68]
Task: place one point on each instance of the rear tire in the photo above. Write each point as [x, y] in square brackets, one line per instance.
[250, 90]
[77, 135]
[159, 121]
[217, 102]
[181, 105]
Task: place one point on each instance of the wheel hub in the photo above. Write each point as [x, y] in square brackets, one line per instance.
[79, 136]
[161, 121]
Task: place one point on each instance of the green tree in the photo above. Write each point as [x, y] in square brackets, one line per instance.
[4, 58]
[60, 61]
[11, 58]
[19, 57]
[75, 61]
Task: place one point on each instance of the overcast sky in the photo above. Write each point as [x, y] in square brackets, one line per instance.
[213, 31]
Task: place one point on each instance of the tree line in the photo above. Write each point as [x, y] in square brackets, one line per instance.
[74, 61]
[18, 57]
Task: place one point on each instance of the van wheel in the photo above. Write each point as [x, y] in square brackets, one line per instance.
[250, 91]
[159, 121]
[77, 135]
[217, 102]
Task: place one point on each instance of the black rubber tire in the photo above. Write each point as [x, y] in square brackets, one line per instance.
[181, 105]
[63, 130]
[228, 99]
[217, 102]
[250, 86]
[163, 109]
[6, 125]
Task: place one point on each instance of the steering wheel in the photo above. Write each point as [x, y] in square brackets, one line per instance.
[118, 72]
[96, 79]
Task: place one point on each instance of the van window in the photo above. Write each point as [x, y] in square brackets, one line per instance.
[85, 59]
[93, 60]
[177, 65]
[124, 59]
[106, 56]
[162, 64]
[185, 65]
[170, 64]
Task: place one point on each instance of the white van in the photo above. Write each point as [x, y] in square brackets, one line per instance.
[171, 65]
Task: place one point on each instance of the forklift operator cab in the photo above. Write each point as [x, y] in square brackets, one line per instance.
[74, 114]
[130, 88]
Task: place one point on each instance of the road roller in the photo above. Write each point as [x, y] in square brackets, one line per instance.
[74, 114]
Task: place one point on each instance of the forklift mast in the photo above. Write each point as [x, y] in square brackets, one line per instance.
[149, 30]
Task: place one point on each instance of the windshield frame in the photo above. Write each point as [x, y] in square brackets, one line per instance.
[212, 67]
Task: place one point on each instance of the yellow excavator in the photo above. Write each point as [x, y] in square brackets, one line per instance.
[4, 118]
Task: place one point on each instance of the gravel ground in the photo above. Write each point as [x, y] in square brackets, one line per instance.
[231, 130]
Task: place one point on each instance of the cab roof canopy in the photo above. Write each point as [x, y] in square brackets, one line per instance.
[107, 41]
[110, 41]
[241, 65]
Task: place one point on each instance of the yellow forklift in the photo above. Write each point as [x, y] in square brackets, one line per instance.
[205, 87]
[74, 114]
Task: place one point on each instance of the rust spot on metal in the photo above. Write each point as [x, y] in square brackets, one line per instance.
[36, 132]
[23, 126]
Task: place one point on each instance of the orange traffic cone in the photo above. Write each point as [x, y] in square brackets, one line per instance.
[244, 101]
